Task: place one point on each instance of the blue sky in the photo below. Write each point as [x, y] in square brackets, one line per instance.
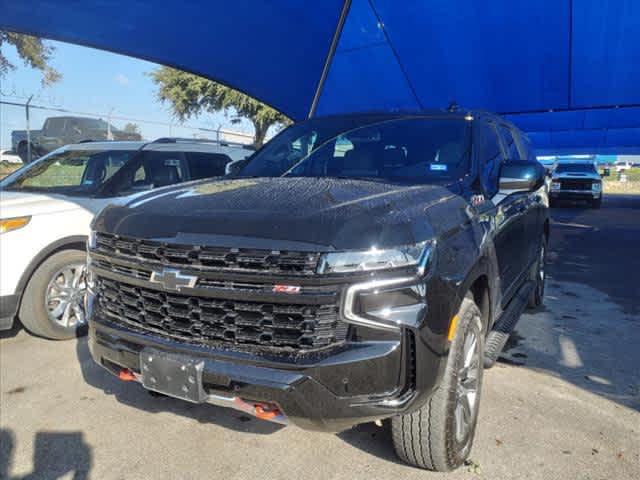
[95, 81]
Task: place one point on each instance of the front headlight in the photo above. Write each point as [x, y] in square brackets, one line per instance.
[555, 185]
[596, 186]
[377, 259]
[9, 224]
[386, 303]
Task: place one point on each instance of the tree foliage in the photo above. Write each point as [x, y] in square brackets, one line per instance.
[132, 128]
[34, 53]
[189, 95]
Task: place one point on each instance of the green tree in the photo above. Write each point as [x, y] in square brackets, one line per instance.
[34, 53]
[191, 95]
[132, 128]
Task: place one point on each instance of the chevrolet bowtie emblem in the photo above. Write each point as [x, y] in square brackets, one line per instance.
[173, 280]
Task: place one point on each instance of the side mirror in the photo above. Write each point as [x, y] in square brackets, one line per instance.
[233, 168]
[521, 176]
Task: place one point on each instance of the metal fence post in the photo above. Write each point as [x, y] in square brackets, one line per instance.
[26, 106]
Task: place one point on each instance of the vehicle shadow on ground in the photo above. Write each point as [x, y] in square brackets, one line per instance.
[373, 440]
[588, 331]
[56, 455]
[583, 338]
[134, 395]
[599, 247]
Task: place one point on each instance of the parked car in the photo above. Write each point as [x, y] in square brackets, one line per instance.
[622, 165]
[8, 156]
[576, 180]
[356, 268]
[46, 208]
[59, 131]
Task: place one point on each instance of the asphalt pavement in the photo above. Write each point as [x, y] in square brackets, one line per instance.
[562, 403]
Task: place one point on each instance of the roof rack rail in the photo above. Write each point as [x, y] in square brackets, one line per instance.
[222, 143]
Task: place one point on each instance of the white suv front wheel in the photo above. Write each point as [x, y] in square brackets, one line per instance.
[53, 303]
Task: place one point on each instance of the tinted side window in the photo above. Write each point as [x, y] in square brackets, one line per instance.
[150, 169]
[54, 126]
[205, 165]
[510, 146]
[490, 157]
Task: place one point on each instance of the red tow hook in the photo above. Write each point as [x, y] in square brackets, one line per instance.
[265, 411]
[126, 375]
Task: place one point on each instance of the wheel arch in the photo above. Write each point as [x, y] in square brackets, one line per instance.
[74, 242]
[478, 283]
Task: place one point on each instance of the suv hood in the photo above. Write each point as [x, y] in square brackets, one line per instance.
[280, 213]
[19, 204]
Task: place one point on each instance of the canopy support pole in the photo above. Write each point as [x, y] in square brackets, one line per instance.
[327, 62]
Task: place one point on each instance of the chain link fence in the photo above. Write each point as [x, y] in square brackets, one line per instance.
[29, 130]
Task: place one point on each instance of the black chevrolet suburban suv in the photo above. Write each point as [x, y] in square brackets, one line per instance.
[356, 268]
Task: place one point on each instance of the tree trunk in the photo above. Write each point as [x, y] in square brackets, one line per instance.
[260, 133]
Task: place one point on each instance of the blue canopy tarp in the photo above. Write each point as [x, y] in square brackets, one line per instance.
[567, 71]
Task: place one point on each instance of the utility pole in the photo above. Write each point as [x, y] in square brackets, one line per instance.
[109, 136]
[26, 106]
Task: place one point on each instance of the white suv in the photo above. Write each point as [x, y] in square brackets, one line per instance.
[47, 206]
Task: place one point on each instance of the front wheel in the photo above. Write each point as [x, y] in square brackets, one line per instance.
[53, 302]
[439, 435]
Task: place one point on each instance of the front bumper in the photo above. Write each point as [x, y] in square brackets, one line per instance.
[8, 309]
[575, 194]
[354, 383]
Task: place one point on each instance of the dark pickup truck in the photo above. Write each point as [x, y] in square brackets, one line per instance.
[59, 131]
[355, 269]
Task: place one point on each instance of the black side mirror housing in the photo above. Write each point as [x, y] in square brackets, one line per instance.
[233, 168]
[521, 176]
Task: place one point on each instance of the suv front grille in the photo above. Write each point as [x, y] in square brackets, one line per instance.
[575, 184]
[215, 321]
[203, 257]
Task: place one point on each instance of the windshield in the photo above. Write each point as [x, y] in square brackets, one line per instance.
[576, 168]
[73, 172]
[407, 150]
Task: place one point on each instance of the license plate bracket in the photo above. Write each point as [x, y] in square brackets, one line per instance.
[175, 375]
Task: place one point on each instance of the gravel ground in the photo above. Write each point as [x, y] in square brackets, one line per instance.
[563, 402]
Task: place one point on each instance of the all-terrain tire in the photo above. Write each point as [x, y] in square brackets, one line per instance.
[426, 437]
[33, 312]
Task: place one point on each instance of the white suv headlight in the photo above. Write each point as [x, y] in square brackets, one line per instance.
[377, 259]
